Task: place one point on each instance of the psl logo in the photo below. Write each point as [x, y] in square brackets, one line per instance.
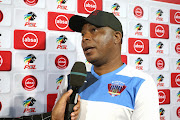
[178, 33]
[138, 29]
[61, 40]
[61, 4]
[29, 59]
[115, 7]
[138, 63]
[1, 61]
[29, 17]
[161, 112]
[29, 103]
[159, 15]
[178, 65]
[178, 95]
[159, 47]
[59, 81]
[116, 88]
[159, 80]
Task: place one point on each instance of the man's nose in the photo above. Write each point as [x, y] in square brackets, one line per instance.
[86, 36]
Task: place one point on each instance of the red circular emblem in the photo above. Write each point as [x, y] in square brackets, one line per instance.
[0, 106]
[30, 40]
[90, 6]
[159, 31]
[138, 46]
[61, 62]
[1, 60]
[29, 82]
[177, 79]
[178, 112]
[162, 96]
[177, 17]
[160, 63]
[177, 48]
[61, 21]
[1, 16]
[138, 12]
[31, 2]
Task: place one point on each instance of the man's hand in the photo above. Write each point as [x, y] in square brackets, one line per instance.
[59, 109]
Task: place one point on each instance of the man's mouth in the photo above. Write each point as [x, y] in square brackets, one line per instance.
[88, 49]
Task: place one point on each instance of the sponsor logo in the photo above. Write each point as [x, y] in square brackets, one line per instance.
[178, 95]
[160, 63]
[159, 31]
[30, 17]
[90, 6]
[174, 16]
[61, 22]
[29, 82]
[138, 12]
[177, 17]
[115, 7]
[177, 80]
[30, 40]
[58, 81]
[61, 62]
[1, 16]
[29, 59]
[159, 80]
[159, 47]
[116, 88]
[61, 4]
[159, 15]
[0, 106]
[138, 63]
[162, 97]
[138, 29]
[161, 112]
[177, 48]
[178, 64]
[5, 60]
[178, 33]
[31, 2]
[138, 46]
[1, 60]
[28, 104]
[178, 112]
[61, 40]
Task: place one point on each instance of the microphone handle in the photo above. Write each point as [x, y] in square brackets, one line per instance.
[69, 110]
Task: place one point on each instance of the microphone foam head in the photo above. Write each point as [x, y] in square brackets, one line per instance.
[78, 74]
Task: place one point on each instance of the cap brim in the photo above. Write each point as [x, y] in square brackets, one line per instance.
[76, 23]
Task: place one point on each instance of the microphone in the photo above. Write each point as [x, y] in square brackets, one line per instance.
[77, 77]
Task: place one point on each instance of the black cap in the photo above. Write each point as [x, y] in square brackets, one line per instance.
[97, 18]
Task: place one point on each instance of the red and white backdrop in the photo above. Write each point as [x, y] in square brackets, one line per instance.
[37, 49]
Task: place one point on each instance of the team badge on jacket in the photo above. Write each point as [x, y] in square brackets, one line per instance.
[116, 88]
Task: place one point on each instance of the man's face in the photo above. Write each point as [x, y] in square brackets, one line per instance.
[97, 43]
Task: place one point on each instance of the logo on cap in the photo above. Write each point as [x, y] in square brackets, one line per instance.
[29, 103]
[59, 80]
[61, 21]
[1, 60]
[0, 106]
[29, 82]
[160, 63]
[159, 31]
[1, 16]
[162, 96]
[31, 2]
[61, 4]
[116, 88]
[138, 46]
[138, 12]
[29, 59]
[159, 47]
[178, 33]
[61, 62]
[159, 15]
[61, 40]
[178, 112]
[30, 40]
[177, 48]
[30, 17]
[178, 64]
[115, 7]
[90, 6]
[177, 17]
[138, 29]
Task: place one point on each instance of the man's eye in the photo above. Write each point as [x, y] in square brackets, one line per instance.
[94, 29]
[82, 34]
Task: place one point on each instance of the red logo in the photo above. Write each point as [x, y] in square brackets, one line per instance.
[61, 62]
[138, 46]
[0, 106]
[175, 79]
[178, 112]
[51, 98]
[160, 63]
[29, 82]
[159, 30]
[31, 2]
[5, 60]
[138, 12]
[88, 6]
[124, 59]
[177, 48]
[59, 21]
[175, 16]
[1, 16]
[33, 40]
[164, 96]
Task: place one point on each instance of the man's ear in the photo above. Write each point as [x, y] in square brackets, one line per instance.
[118, 37]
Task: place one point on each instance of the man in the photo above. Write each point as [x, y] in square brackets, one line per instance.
[113, 90]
